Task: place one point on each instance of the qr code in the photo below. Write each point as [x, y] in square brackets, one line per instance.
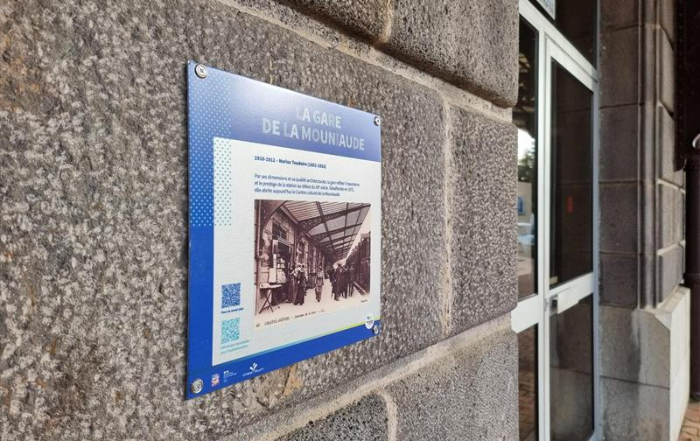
[230, 295]
[230, 330]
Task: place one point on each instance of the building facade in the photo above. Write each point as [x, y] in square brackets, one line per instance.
[533, 212]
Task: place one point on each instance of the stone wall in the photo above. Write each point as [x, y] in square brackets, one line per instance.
[93, 231]
[644, 313]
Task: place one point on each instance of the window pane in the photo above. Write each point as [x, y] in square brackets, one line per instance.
[572, 178]
[525, 118]
[576, 20]
[571, 372]
[527, 383]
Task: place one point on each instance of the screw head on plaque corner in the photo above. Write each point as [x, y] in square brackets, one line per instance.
[201, 71]
[377, 121]
[197, 386]
[375, 329]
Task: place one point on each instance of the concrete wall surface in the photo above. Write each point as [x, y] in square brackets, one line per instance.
[645, 380]
[93, 217]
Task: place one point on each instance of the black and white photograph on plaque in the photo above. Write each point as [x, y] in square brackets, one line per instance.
[311, 258]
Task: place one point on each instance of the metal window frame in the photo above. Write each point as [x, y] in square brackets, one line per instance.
[534, 310]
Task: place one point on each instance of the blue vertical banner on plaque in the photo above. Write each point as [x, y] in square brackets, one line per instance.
[284, 227]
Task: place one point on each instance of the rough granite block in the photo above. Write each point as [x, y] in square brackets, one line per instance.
[619, 212]
[619, 143]
[482, 219]
[364, 420]
[635, 347]
[670, 216]
[619, 67]
[669, 271]
[633, 411]
[618, 14]
[366, 18]
[620, 278]
[667, 69]
[666, 143]
[472, 43]
[667, 17]
[471, 395]
[93, 233]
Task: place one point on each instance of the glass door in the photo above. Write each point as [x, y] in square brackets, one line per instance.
[557, 235]
[527, 318]
[570, 276]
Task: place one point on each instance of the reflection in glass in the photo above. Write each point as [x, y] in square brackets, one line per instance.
[577, 21]
[571, 367]
[527, 383]
[525, 118]
[571, 224]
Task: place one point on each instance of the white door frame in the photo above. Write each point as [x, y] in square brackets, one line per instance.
[536, 309]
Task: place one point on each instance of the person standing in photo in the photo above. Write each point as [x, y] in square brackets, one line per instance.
[335, 281]
[342, 281]
[301, 285]
[319, 283]
[291, 285]
[331, 278]
[351, 280]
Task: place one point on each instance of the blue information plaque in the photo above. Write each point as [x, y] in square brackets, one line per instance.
[284, 227]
